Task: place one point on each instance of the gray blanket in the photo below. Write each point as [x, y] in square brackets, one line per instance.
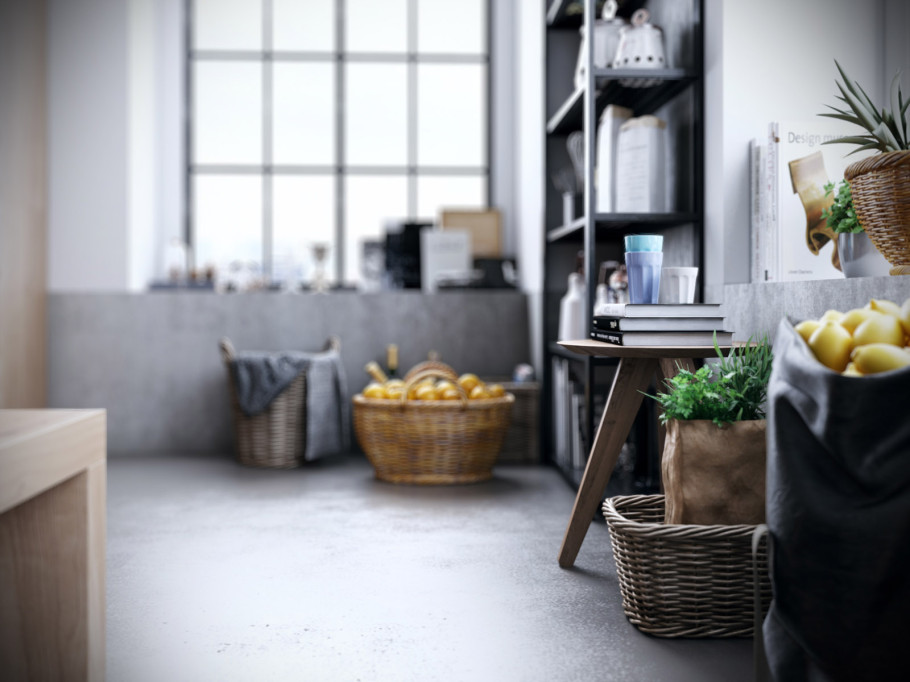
[260, 377]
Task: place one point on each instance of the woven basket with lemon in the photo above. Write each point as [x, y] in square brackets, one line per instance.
[433, 427]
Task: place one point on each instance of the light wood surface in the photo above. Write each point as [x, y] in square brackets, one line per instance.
[52, 544]
[637, 366]
[609, 350]
[23, 198]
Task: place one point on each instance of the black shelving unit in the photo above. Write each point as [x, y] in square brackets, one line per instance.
[595, 237]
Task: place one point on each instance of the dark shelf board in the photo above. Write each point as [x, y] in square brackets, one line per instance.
[646, 100]
[619, 222]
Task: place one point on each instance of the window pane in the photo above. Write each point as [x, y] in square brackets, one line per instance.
[227, 25]
[443, 28]
[304, 114]
[437, 192]
[370, 202]
[451, 115]
[303, 214]
[376, 121]
[227, 222]
[227, 108]
[376, 26]
[303, 25]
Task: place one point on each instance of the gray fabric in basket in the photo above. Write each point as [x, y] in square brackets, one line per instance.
[259, 377]
[838, 508]
[327, 410]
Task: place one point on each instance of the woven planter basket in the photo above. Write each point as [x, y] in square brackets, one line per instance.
[880, 186]
[432, 442]
[684, 580]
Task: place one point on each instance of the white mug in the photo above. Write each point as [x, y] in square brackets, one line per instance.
[678, 285]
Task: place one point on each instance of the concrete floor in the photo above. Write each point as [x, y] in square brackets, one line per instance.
[219, 572]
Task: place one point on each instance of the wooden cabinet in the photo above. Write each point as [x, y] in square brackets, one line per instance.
[52, 544]
[591, 238]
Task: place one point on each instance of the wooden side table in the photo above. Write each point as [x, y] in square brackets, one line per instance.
[637, 366]
[52, 544]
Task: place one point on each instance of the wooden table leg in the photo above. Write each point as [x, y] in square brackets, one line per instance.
[632, 377]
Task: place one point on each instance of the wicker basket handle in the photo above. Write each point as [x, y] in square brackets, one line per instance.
[426, 374]
[227, 349]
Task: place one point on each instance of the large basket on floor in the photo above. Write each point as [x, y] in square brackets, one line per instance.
[275, 438]
[432, 442]
[684, 580]
[521, 444]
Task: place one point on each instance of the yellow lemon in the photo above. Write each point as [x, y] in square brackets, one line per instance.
[879, 357]
[883, 305]
[394, 392]
[879, 329]
[468, 382]
[905, 316]
[831, 344]
[374, 390]
[496, 390]
[444, 384]
[426, 392]
[806, 327]
[450, 394]
[832, 316]
[394, 383]
[412, 391]
[479, 392]
[854, 318]
[851, 370]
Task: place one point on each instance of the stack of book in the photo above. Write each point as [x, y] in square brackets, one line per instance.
[676, 324]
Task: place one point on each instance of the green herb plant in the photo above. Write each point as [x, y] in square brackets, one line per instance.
[733, 389]
[840, 216]
[886, 129]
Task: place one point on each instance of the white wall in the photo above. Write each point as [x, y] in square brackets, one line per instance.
[87, 137]
[767, 61]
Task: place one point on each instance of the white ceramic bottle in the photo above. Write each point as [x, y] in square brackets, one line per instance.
[572, 310]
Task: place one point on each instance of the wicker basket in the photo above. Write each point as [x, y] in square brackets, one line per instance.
[275, 438]
[521, 444]
[880, 186]
[684, 580]
[432, 442]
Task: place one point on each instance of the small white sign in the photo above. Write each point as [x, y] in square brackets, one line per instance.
[443, 252]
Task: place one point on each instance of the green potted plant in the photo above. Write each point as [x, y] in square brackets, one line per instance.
[713, 464]
[858, 255]
[880, 184]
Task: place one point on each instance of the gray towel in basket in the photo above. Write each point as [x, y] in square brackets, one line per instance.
[260, 377]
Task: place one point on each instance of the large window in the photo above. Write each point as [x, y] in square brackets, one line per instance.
[313, 122]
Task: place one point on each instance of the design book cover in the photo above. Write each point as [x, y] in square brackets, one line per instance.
[802, 246]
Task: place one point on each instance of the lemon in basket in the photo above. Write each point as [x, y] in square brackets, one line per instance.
[496, 390]
[479, 392]
[426, 392]
[450, 393]
[374, 390]
[468, 382]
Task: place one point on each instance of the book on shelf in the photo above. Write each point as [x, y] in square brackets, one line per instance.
[758, 206]
[794, 240]
[657, 324]
[660, 310]
[724, 338]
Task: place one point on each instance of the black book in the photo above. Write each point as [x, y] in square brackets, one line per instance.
[662, 338]
[658, 324]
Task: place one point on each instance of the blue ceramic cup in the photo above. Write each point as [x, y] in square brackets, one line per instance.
[643, 269]
[644, 242]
